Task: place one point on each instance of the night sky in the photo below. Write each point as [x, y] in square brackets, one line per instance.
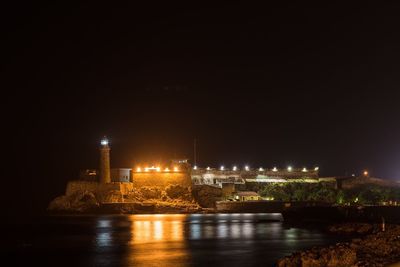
[272, 85]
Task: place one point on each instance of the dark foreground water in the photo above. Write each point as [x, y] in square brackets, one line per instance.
[156, 240]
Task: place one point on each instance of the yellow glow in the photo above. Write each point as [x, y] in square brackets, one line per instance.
[365, 173]
[139, 169]
[166, 170]
[146, 169]
[152, 237]
[158, 169]
[175, 169]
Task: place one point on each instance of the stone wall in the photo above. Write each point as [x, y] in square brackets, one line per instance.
[76, 186]
[161, 180]
[99, 189]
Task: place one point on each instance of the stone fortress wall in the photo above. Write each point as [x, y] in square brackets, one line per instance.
[161, 180]
[97, 188]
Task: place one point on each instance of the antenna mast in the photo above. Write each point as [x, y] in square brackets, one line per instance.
[195, 152]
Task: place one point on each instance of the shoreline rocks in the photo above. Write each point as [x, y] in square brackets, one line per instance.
[376, 249]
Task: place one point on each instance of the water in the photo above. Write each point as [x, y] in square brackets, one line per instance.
[157, 240]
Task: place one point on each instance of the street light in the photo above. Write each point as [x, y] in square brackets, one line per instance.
[289, 168]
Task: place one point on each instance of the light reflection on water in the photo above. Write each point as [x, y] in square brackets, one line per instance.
[198, 240]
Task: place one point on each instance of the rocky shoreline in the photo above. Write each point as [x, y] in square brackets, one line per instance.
[373, 248]
[144, 200]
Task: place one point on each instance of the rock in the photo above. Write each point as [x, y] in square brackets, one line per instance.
[112, 196]
[178, 192]
[60, 203]
[378, 249]
[79, 202]
[149, 192]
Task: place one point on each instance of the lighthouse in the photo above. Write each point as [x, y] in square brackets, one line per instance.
[104, 162]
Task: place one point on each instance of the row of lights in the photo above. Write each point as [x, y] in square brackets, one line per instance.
[157, 169]
[247, 168]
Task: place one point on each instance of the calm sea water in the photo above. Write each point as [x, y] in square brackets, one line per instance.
[156, 240]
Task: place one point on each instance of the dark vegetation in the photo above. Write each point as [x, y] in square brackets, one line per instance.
[325, 192]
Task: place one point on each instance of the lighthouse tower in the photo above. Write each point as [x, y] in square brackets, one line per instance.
[104, 162]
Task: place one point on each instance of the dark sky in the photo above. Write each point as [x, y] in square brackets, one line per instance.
[267, 85]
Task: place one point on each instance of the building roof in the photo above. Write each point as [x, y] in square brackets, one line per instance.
[247, 194]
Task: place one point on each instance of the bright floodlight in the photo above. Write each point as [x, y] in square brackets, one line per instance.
[195, 167]
[246, 168]
[104, 142]
[222, 168]
[316, 168]
[261, 169]
[234, 168]
[274, 169]
[208, 168]
[290, 168]
[304, 170]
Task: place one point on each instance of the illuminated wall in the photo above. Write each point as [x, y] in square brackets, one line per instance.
[162, 179]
